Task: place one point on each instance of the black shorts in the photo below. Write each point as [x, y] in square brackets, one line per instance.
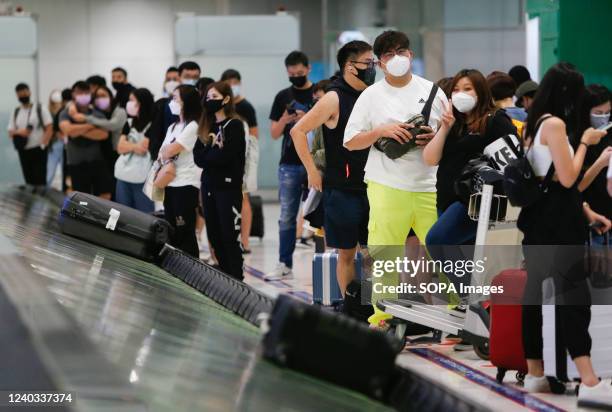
[346, 218]
[91, 177]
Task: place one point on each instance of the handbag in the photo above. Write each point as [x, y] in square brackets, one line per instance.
[251, 163]
[392, 148]
[151, 191]
[166, 174]
[131, 167]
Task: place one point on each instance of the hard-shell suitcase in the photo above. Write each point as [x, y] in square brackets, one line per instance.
[257, 226]
[325, 289]
[505, 340]
[114, 226]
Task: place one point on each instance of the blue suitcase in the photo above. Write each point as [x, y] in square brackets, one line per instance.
[325, 289]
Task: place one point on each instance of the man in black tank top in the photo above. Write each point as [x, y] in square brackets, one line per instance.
[344, 192]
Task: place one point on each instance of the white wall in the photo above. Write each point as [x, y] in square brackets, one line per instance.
[78, 38]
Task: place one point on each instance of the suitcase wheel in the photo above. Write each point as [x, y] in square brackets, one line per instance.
[482, 349]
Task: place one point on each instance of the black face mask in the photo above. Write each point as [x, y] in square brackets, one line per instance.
[212, 106]
[298, 81]
[117, 85]
[24, 99]
[367, 75]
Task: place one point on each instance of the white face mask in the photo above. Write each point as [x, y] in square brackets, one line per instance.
[464, 102]
[398, 66]
[175, 107]
[236, 90]
[170, 86]
[598, 120]
[56, 96]
[189, 82]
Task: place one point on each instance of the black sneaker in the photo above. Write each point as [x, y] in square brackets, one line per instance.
[304, 243]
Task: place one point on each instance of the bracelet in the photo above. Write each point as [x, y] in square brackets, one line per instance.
[585, 145]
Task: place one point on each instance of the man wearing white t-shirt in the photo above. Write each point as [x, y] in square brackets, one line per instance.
[401, 192]
[30, 128]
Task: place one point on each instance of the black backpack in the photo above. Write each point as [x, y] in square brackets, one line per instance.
[520, 182]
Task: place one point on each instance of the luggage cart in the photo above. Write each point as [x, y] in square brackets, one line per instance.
[488, 209]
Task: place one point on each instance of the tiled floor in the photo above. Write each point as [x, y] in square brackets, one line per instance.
[461, 371]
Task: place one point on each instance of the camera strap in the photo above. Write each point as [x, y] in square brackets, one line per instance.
[427, 108]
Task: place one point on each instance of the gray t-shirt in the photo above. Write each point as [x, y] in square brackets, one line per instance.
[81, 149]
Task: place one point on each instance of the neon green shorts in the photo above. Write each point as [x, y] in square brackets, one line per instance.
[393, 213]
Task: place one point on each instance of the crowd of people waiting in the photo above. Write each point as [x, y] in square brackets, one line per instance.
[202, 127]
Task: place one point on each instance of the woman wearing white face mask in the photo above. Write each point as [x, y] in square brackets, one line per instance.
[596, 113]
[181, 194]
[470, 123]
[135, 161]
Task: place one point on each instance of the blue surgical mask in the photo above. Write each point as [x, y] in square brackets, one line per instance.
[598, 120]
[189, 82]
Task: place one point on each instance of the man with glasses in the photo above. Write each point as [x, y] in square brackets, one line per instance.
[344, 192]
[401, 191]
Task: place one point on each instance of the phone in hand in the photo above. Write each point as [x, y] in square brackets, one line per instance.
[605, 127]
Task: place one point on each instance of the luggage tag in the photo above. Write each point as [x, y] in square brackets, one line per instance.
[113, 218]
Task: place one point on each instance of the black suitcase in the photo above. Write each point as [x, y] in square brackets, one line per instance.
[332, 347]
[133, 232]
[257, 227]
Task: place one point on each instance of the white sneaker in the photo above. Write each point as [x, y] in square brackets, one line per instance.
[281, 271]
[598, 396]
[536, 384]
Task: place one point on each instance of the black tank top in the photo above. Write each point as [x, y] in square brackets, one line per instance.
[344, 169]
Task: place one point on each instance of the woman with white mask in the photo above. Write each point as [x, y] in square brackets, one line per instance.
[470, 123]
[596, 113]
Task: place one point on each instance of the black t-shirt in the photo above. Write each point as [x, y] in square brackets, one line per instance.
[222, 160]
[282, 99]
[162, 119]
[596, 195]
[246, 110]
[462, 146]
[123, 94]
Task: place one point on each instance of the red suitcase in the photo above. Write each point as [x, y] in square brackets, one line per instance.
[505, 342]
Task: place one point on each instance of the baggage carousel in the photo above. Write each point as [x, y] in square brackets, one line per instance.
[120, 334]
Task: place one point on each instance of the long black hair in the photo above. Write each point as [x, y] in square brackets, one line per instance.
[208, 119]
[145, 112]
[192, 107]
[594, 95]
[113, 101]
[560, 93]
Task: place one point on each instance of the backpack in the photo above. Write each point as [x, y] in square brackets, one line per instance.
[520, 182]
[38, 114]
